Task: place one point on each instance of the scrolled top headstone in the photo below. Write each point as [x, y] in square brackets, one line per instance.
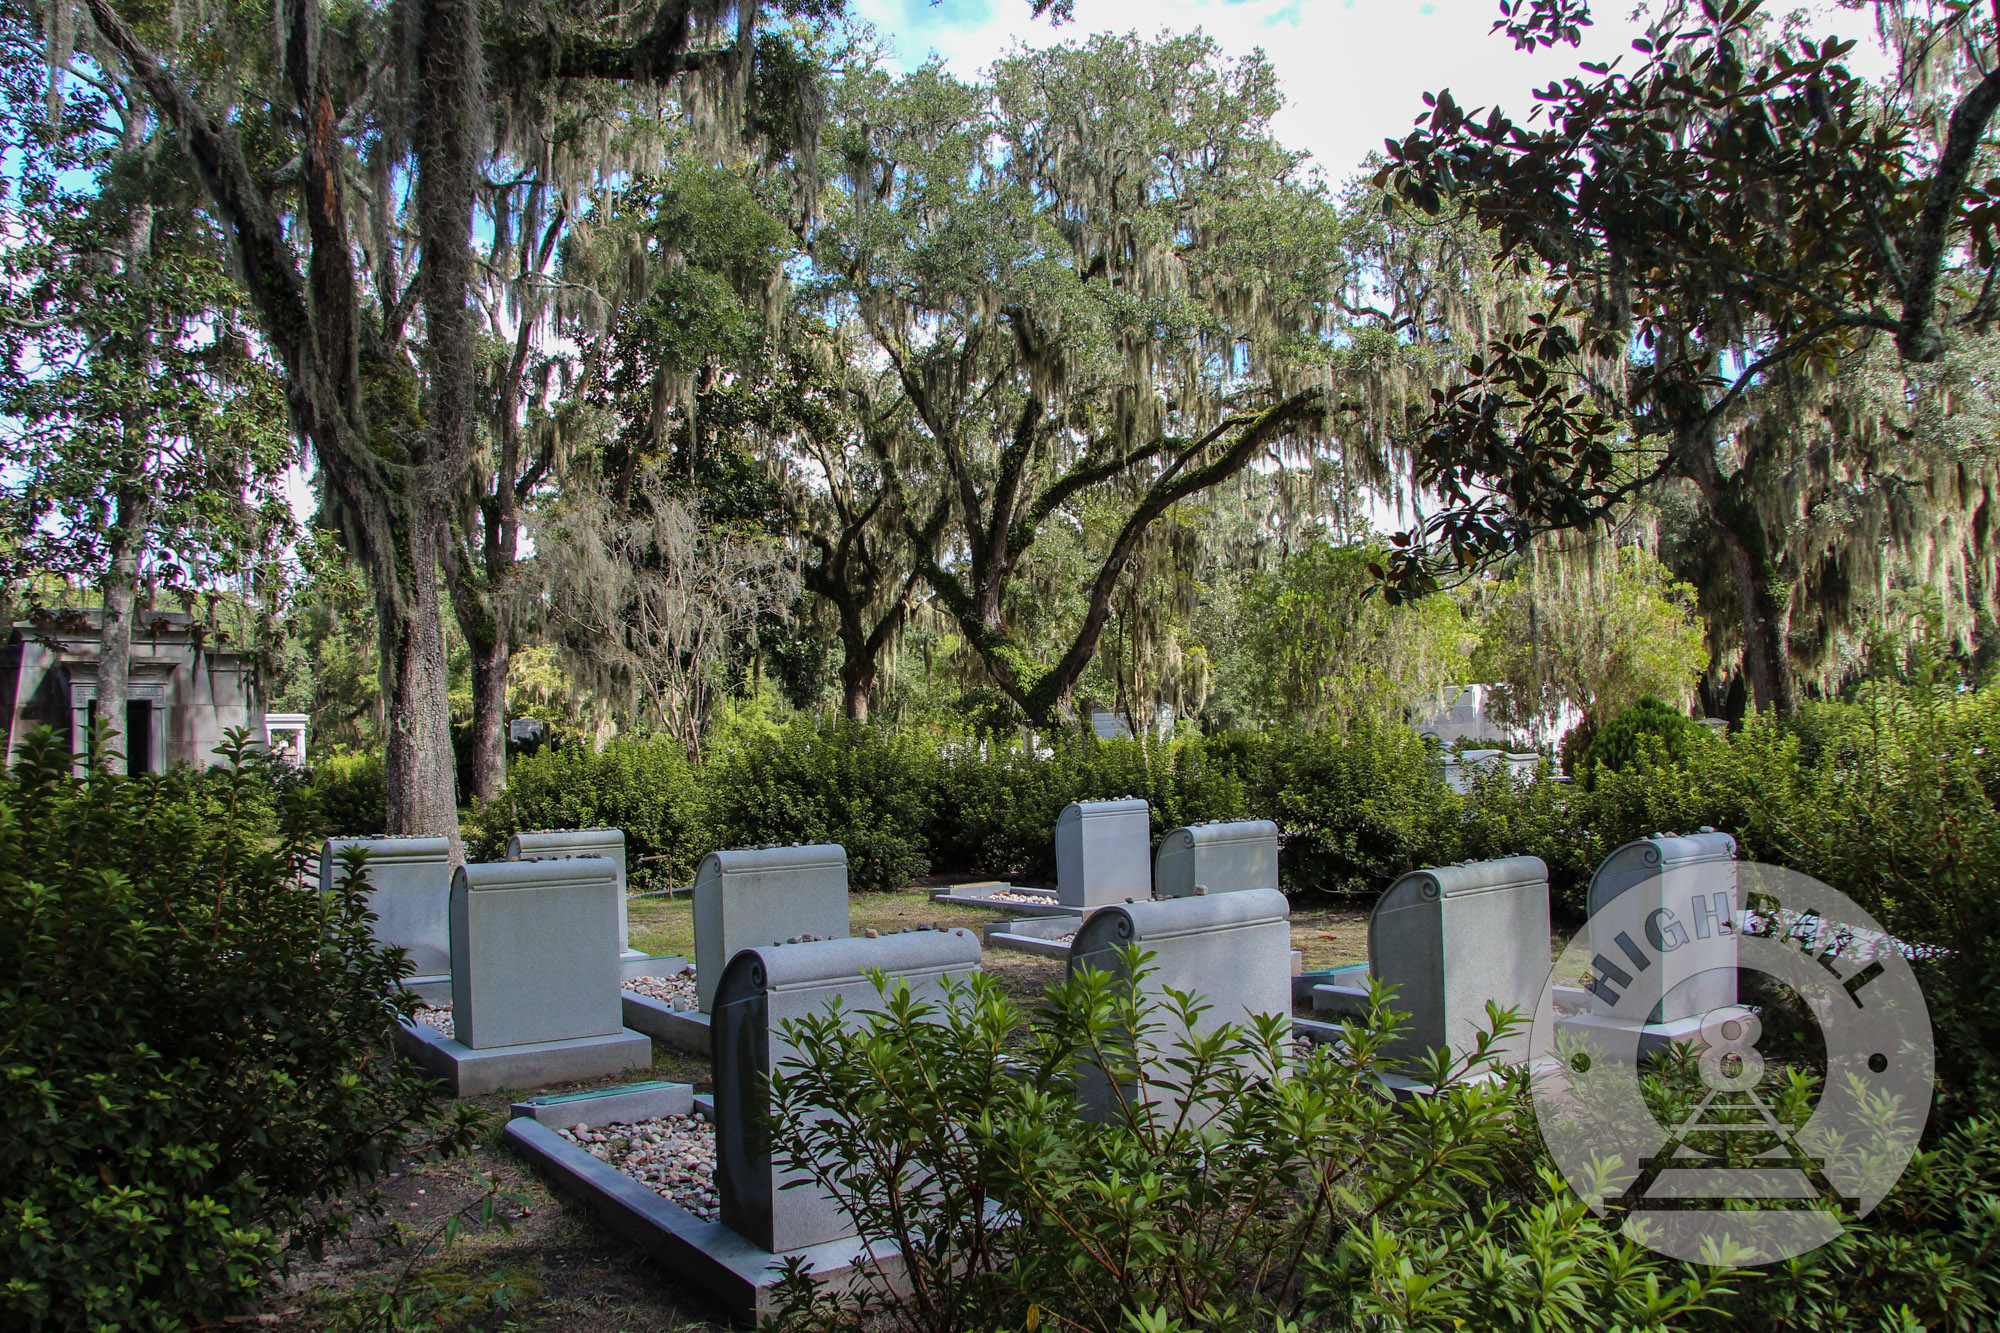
[1231, 949]
[1223, 858]
[758, 992]
[1697, 871]
[1646, 858]
[1451, 938]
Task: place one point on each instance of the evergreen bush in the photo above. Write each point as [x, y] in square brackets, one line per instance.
[647, 788]
[352, 793]
[1646, 726]
[871, 789]
[196, 1068]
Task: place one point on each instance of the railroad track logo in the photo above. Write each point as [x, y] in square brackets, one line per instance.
[1674, 1053]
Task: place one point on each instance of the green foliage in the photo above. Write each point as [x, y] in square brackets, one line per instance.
[195, 1069]
[1647, 725]
[1598, 638]
[1357, 808]
[870, 789]
[1320, 646]
[353, 794]
[1294, 1195]
[647, 788]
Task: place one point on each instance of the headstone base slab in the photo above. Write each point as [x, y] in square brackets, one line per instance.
[1612, 1038]
[609, 1106]
[1039, 935]
[683, 1029]
[1353, 974]
[981, 895]
[466, 1072]
[436, 988]
[632, 964]
[731, 1271]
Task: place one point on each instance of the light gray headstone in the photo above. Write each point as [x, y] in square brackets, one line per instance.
[409, 882]
[747, 898]
[1451, 938]
[1103, 853]
[1234, 950]
[1698, 872]
[608, 843]
[1222, 858]
[534, 952]
[762, 989]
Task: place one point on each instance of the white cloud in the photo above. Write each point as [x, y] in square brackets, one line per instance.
[1354, 72]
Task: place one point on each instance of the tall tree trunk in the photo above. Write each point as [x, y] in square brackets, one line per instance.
[417, 763]
[120, 590]
[857, 678]
[131, 516]
[1767, 663]
[489, 716]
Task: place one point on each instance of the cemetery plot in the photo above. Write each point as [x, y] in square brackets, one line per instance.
[534, 980]
[657, 1200]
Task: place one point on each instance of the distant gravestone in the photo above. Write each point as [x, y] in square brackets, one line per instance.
[751, 897]
[608, 843]
[761, 989]
[409, 890]
[1692, 880]
[1102, 853]
[1232, 949]
[1222, 858]
[1450, 939]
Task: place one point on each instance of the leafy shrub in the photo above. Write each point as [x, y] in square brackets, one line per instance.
[1310, 1200]
[647, 788]
[1648, 723]
[1357, 808]
[1308, 1197]
[197, 1064]
[870, 789]
[352, 793]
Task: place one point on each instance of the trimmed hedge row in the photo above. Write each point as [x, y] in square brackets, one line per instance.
[1357, 809]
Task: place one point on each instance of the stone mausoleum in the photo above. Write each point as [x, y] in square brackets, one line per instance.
[185, 690]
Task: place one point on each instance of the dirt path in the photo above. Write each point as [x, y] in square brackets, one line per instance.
[555, 1269]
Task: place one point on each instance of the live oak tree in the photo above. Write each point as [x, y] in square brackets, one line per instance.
[348, 186]
[1095, 280]
[1763, 274]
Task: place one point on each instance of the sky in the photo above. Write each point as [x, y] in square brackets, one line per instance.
[1353, 72]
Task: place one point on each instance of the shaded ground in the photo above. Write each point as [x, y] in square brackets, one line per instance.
[557, 1270]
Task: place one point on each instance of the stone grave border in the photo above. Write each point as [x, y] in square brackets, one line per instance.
[980, 895]
[706, 1256]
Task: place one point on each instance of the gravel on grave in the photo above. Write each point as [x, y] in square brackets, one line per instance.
[675, 990]
[673, 1156]
[437, 1017]
[1019, 896]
